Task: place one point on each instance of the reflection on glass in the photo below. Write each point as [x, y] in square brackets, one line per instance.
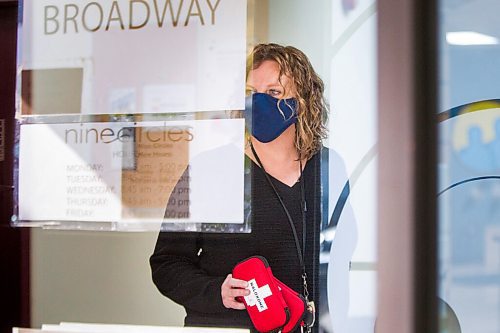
[469, 182]
[351, 261]
[469, 168]
[155, 166]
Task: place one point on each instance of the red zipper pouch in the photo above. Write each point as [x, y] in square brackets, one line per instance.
[265, 304]
[296, 303]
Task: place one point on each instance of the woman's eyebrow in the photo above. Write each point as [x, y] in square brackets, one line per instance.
[274, 84]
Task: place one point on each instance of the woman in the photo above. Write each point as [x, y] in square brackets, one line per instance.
[288, 115]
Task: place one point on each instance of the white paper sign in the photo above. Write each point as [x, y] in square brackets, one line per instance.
[131, 52]
[125, 172]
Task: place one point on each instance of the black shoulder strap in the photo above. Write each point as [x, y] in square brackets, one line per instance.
[290, 220]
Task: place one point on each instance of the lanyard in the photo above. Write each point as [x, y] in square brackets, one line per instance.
[300, 251]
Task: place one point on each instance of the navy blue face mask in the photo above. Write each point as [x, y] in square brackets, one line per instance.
[270, 116]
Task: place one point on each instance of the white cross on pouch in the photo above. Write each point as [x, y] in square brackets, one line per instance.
[257, 295]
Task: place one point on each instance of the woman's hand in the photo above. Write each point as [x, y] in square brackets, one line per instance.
[232, 288]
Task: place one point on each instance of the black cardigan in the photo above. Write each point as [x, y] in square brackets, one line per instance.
[189, 268]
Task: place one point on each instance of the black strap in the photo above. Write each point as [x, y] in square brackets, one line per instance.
[300, 254]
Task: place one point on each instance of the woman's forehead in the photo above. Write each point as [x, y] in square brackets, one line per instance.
[268, 72]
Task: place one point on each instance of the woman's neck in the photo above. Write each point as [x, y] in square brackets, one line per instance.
[279, 157]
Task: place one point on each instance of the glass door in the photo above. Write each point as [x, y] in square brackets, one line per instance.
[469, 166]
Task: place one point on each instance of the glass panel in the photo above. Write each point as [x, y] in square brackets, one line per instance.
[344, 286]
[129, 116]
[351, 273]
[347, 31]
[468, 194]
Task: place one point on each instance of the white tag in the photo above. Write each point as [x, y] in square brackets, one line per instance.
[257, 295]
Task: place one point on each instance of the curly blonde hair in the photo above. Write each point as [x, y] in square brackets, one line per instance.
[308, 87]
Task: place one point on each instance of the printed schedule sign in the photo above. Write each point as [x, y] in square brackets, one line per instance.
[131, 56]
[179, 171]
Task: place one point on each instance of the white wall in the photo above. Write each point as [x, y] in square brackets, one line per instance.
[305, 25]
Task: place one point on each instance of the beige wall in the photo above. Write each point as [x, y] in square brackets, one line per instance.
[99, 277]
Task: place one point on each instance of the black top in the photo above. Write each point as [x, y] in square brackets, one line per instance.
[193, 278]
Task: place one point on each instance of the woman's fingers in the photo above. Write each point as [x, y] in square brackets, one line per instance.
[235, 305]
[232, 288]
[236, 283]
[239, 292]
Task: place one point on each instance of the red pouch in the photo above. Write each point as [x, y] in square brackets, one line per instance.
[265, 304]
[296, 303]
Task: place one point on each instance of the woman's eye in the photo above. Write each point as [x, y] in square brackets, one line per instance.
[274, 92]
